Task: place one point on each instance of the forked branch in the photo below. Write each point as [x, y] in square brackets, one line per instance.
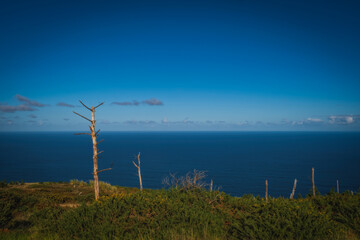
[139, 171]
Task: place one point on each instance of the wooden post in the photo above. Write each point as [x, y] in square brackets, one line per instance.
[93, 135]
[313, 182]
[266, 189]
[211, 185]
[293, 191]
[139, 172]
[337, 186]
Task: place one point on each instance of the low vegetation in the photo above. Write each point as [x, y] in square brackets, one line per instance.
[68, 211]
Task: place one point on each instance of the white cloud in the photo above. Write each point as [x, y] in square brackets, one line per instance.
[343, 119]
[314, 120]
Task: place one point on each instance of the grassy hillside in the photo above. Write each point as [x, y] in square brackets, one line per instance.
[67, 211]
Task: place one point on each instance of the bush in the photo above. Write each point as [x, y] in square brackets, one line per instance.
[150, 214]
[283, 219]
[8, 204]
[164, 214]
[343, 208]
[13, 204]
[191, 180]
[52, 211]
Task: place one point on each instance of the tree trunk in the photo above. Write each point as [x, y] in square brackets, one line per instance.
[93, 135]
[139, 173]
[95, 155]
[293, 191]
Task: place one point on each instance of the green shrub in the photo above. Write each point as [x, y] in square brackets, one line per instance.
[284, 219]
[76, 182]
[8, 204]
[12, 205]
[150, 214]
[52, 211]
[343, 208]
[164, 214]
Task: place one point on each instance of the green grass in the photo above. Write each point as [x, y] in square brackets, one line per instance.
[68, 211]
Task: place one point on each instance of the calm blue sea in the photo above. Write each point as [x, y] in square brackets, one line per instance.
[238, 162]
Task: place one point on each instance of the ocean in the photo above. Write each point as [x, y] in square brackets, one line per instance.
[237, 162]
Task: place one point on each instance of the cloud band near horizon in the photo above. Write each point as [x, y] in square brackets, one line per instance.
[150, 102]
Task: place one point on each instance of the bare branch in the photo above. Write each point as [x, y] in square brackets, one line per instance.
[97, 132]
[82, 134]
[82, 116]
[85, 105]
[99, 105]
[107, 169]
[215, 199]
[135, 164]
[100, 141]
[191, 180]
[100, 152]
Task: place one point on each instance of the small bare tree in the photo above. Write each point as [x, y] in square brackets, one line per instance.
[266, 190]
[191, 180]
[94, 134]
[313, 181]
[294, 188]
[139, 172]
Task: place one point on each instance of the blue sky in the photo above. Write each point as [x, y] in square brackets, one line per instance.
[180, 65]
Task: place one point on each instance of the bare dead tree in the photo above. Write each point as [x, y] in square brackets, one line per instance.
[337, 186]
[94, 134]
[192, 180]
[171, 181]
[266, 190]
[139, 172]
[313, 181]
[211, 185]
[293, 191]
[198, 175]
